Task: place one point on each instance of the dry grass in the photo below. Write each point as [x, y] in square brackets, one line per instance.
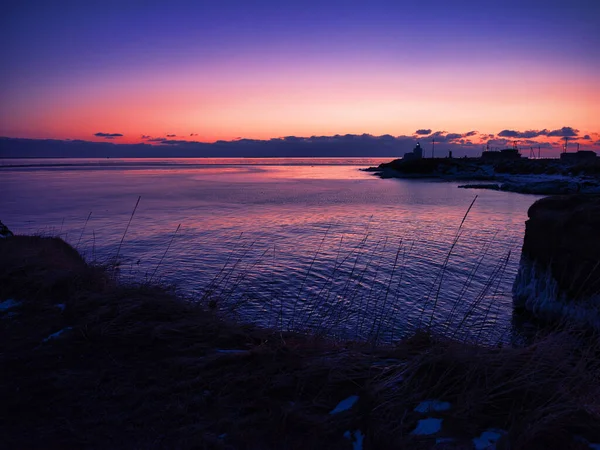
[142, 368]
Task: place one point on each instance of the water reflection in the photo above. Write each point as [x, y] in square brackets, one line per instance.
[306, 245]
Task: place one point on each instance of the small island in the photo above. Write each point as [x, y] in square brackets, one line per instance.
[503, 170]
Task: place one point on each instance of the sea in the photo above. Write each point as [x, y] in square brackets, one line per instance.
[315, 245]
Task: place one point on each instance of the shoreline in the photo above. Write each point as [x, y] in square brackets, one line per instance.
[90, 362]
[537, 177]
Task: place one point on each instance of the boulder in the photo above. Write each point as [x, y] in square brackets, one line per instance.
[559, 273]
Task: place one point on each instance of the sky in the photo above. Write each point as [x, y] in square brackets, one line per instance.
[141, 71]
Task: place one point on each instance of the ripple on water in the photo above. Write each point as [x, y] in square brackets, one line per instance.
[328, 248]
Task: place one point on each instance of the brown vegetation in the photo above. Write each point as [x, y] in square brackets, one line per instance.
[137, 367]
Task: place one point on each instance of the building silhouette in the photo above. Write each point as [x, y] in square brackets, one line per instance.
[417, 153]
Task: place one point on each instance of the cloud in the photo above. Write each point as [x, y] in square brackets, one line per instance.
[453, 136]
[523, 134]
[564, 132]
[445, 137]
[108, 135]
[529, 134]
[349, 145]
[145, 136]
[423, 131]
[534, 133]
[175, 141]
[438, 135]
[193, 134]
[497, 143]
[509, 133]
[171, 135]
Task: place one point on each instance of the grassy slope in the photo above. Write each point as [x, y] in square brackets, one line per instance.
[141, 368]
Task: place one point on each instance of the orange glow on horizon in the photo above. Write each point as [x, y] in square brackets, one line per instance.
[306, 103]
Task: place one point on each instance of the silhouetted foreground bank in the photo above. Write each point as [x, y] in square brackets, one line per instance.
[89, 363]
[526, 176]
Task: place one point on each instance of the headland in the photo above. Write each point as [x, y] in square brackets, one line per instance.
[503, 170]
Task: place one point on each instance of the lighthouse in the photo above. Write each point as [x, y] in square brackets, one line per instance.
[417, 153]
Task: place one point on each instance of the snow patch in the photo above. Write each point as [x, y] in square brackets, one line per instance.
[536, 290]
[357, 439]
[432, 405]
[488, 439]
[57, 334]
[594, 446]
[8, 304]
[427, 426]
[345, 404]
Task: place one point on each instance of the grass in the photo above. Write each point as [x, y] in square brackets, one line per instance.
[139, 367]
[355, 301]
[360, 296]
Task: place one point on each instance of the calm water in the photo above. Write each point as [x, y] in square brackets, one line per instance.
[293, 243]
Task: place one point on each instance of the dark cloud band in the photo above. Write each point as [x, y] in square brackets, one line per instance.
[108, 135]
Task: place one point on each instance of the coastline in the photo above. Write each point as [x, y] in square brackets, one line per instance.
[91, 362]
[537, 177]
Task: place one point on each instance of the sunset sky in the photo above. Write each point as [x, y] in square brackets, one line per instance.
[223, 70]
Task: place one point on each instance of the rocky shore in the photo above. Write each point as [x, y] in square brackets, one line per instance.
[89, 362]
[559, 274]
[539, 177]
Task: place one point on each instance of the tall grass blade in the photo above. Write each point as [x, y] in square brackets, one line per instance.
[165, 253]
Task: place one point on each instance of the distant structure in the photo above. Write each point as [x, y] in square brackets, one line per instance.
[502, 155]
[565, 147]
[417, 153]
[579, 156]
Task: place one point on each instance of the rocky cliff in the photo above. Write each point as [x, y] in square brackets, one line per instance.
[559, 276]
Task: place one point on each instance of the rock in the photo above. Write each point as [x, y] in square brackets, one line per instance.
[492, 186]
[553, 187]
[4, 231]
[559, 273]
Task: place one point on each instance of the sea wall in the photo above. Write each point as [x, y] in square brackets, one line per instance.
[559, 273]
